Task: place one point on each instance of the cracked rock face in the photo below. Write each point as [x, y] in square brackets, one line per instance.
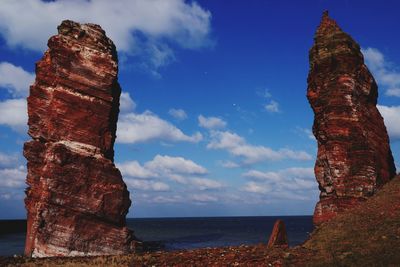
[354, 157]
[76, 199]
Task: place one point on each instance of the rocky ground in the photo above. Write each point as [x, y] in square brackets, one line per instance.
[368, 235]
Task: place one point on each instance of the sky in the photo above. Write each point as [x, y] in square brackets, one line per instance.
[214, 117]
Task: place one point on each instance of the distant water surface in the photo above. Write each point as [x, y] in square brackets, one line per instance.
[184, 233]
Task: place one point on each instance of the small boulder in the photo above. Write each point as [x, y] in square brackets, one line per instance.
[278, 236]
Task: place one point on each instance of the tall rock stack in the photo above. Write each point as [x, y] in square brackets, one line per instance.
[76, 199]
[354, 157]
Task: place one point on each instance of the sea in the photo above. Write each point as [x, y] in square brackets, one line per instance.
[184, 233]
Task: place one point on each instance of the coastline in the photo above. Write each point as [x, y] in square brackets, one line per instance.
[367, 235]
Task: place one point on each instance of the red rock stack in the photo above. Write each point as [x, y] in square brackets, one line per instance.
[278, 236]
[354, 157]
[76, 199]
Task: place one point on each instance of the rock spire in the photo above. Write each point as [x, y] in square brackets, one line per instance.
[354, 157]
[76, 199]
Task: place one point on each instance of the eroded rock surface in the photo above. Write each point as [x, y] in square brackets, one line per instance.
[354, 157]
[76, 199]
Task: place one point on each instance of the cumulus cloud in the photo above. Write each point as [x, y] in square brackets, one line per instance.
[168, 164]
[14, 111]
[264, 93]
[13, 177]
[305, 132]
[15, 79]
[203, 198]
[229, 164]
[146, 185]
[134, 169]
[7, 160]
[237, 146]
[178, 169]
[269, 176]
[138, 128]
[391, 116]
[205, 184]
[393, 92]
[14, 114]
[281, 175]
[290, 182]
[166, 199]
[272, 107]
[178, 114]
[126, 103]
[174, 168]
[253, 187]
[383, 70]
[211, 122]
[138, 27]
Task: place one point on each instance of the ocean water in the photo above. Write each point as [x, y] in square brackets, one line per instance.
[185, 233]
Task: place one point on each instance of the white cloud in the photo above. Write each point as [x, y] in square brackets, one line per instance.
[203, 198]
[136, 26]
[14, 114]
[211, 122]
[146, 185]
[299, 172]
[290, 183]
[166, 199]
[270, 176]
[384, 71]
[204, 184]
[237, 146]
[265, 93]
[393, 92]
[5, 196]
[138, 128]
[305, 184]
[174, 168]
[253, 187]
[178, 114]
[391, 116]
[228, 164]
[373, 57]
[281, 175]
[167, 164]
[126, 103]
[134, 169]
[305, 131]
[272, 107]
[15, 79]
[13, 178]
[7, 160]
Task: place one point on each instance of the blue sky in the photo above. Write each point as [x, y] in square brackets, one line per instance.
[214, 119]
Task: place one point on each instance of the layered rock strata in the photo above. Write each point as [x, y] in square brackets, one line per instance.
[354, 157]
[76, 199]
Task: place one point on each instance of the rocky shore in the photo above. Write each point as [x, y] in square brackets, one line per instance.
[368, 235]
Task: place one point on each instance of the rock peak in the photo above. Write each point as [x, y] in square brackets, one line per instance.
[327, 25]
[92, 35]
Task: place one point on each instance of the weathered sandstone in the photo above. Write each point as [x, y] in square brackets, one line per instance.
[354, 157]
[76, 199]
